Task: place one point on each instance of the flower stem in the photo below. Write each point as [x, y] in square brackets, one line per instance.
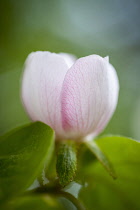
[57, 192]
[74, 200]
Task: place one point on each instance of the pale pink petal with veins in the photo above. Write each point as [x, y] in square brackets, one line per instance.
[41, 87]
[89, 96]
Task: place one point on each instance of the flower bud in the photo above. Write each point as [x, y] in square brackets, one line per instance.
[75, 97]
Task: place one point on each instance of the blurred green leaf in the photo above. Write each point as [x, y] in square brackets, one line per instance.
[50, 171]
[101, 157]
[23, 154]
[38, 203]
[34, 202]
[100, 191]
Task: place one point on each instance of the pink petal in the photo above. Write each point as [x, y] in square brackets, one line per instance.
[41, 87]
[89, 96]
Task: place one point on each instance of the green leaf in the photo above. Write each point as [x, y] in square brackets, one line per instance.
[23, 154]
[101, 157]
[101, 192]
[50, 171]
[66, 164]
[34, 202]
[38, 203]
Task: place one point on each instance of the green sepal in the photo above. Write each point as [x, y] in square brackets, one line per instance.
[66, 164]
[99, 154]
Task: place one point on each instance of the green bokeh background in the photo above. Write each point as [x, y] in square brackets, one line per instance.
[78, 27]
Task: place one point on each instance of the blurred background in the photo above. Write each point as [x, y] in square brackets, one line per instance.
[80, 27]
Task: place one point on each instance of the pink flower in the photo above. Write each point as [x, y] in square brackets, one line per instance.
[75, 97]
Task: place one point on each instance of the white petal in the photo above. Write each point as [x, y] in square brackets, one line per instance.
[89, 96]
[69, 58]
[41, 87]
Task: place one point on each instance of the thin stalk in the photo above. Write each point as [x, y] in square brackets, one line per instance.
[74, 200]
[57, 192]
